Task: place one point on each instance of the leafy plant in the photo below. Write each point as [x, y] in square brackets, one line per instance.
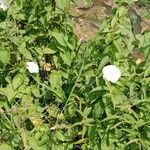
[67, 104]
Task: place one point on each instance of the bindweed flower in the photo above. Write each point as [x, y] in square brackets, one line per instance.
[3, 5]
[32, 67]
[111, 73]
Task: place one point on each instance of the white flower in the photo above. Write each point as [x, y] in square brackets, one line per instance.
[111, 73]
[32, 67]
[3, 5]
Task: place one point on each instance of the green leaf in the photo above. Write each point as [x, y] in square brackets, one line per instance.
[122, 11]
[140, 123]
[111, 117]
[61, 136]
[60, 38]
[104, 143]
[117, 96]
[147, 72]
[49, 51]
[26, 99]
[34, 144]
[17, 81]
[60, 94]
[87, 111]
[35, 90]
[62, 146]
[24, 51]
[119, 45]
[53, 111]
[131, 132]
[103, 62]
[3, 25]
[129, 119]
[66, 57]
[62, 3]
[70, 110]
[97, 110]
[5, 147]
[10, 92]
[55, 79]
[99, 88]
[4, 55]
[126, 1]
[3, 91]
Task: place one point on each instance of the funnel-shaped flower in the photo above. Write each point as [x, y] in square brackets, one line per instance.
[111, 73]
[3, 5]
[32, 67]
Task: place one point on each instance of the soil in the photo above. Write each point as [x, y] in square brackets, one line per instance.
[84, 30]
[87, 20]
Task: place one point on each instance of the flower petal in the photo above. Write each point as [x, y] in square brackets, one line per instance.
[32, 67]
[111, 73]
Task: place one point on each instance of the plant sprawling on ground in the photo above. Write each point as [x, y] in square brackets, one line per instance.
[52, 91]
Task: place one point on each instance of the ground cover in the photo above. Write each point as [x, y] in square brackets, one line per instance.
[75, 75]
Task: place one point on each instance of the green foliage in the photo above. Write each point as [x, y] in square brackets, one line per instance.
[68, 105]
[83, 3]
[126, 1]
